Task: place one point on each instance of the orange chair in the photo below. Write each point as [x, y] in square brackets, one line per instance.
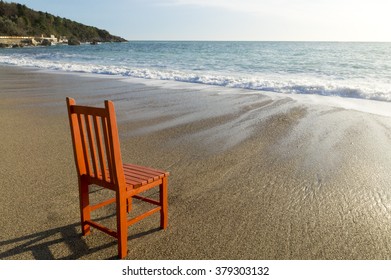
[98, 161]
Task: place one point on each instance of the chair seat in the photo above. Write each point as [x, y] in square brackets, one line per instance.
[137, 176]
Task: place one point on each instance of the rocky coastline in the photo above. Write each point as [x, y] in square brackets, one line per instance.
[25, 41]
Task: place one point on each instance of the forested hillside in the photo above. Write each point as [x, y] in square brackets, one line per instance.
[19, 20]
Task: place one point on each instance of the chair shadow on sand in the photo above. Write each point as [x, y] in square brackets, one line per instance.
[69, 236]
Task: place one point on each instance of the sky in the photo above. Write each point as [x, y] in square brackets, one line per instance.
[233, 20]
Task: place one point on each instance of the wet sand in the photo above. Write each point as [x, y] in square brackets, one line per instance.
[253, 175]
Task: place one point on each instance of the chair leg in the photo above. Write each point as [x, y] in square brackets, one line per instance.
[164, 203]
[85, 211]
[128, 204]
[122, 227]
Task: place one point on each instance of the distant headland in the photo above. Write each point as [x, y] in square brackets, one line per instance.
[21, 26]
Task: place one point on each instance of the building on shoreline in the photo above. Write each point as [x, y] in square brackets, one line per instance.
[21, 41]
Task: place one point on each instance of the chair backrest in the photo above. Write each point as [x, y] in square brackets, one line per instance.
[96, 143]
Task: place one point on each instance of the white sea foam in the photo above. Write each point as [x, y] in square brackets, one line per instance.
[210, 64]
[368, 106]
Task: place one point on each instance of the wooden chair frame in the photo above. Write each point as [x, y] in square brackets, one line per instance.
[98, 161]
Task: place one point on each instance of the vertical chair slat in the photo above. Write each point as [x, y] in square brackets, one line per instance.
[84, 144]
[92, 144]
[100, 148]
[108, 150]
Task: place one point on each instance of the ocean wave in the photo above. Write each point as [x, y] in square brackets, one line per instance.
[281, 83]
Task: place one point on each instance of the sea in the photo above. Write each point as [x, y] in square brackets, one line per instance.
[343, 69]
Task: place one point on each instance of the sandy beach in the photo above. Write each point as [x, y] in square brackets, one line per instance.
[253, 175]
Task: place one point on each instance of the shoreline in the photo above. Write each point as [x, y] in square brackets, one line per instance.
[337, 79]
[253, 176]
[372, 106]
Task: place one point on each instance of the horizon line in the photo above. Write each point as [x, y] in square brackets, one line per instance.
[288, 41]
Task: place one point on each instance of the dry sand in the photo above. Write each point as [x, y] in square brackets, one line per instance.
[252, 176]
